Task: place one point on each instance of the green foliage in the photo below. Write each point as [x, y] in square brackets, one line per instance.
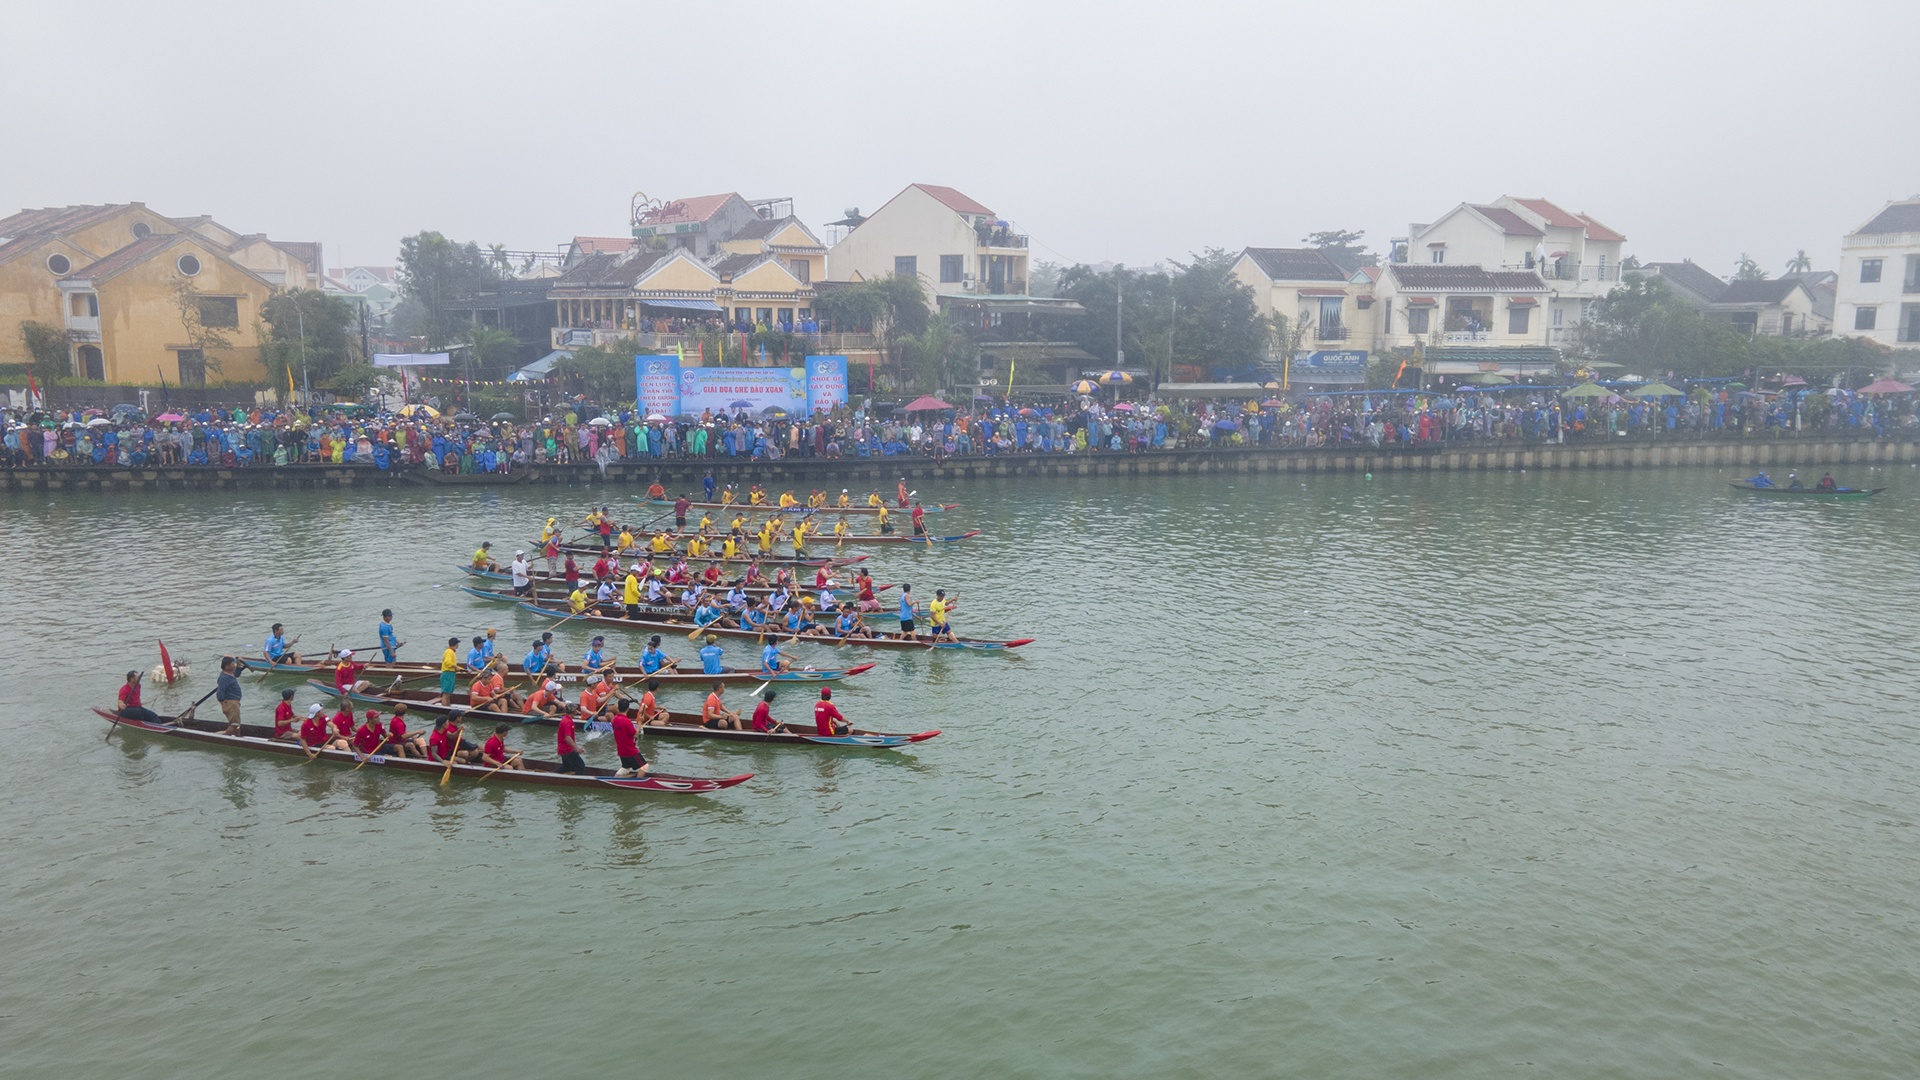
[328, 346]
[490, 353]
[352, 381]
[47, 346]
[434, 273]
[1800, 263]
[602, 372]
[939, 356]
[1642, 325]
[1343, 246]
[893, 309]
[1043, 278]
[1216, 323]
[1748, 270]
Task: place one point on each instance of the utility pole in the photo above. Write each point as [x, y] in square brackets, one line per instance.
[1172, 317]
[300, 320]
[1119, 305]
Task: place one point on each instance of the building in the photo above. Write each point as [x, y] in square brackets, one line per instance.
[1328, 307]
[785, 238]
[1778, 307]
[142, 296]
[1878, 294]
[610, 297]
[1575, 256]
[953, 244]
[1686, 280]
[1465, 320]
[697, 225]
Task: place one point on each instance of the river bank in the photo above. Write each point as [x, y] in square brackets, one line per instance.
[1804, 452]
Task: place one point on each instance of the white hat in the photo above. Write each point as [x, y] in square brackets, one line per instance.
[594, 680]
[519, 553]
[552, 687]
[315, 709]
[346, 654]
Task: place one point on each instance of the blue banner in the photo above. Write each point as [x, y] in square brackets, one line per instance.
[666, 388]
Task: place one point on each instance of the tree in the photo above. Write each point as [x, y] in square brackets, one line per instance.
[1799, 264]
[47, 350]
[492, 353]
[1199, 315]
[891, 308]
[1343, 246]
[310, 322]
[1748, 270]
[434, 273]
[1043, 279]
[605, 373]
[939, 356]
[208, 338]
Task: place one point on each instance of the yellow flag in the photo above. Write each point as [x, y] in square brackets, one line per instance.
[289, 382]
[1010, 364]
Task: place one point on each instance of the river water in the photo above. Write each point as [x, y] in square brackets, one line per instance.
[1591, 774]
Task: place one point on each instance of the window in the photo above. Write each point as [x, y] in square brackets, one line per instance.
[1912, 282]
[742, 315]
[84, 305]
[1869, 271]
[1417, 320]
[1865, 317]
[187, 264]
[1438, 254]
[1559, 316]
[220, 312]
[92, 364]
[142, 230]
[764, 317]
[59, 264]
[193, 367]
[802, 269]
[1518, 318]
[1746, 322]
[906, 266]
[952, 268]
[1909, 323]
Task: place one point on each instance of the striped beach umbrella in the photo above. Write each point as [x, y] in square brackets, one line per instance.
[1084, 386]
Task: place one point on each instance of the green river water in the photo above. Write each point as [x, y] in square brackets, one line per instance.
[1569, 775]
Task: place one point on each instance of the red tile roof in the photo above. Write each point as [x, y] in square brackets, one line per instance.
[954, 200]
[1554, 215]
[594, 245]
[698, 208]
[1510, 223]
[1597, 231]
[137, 252]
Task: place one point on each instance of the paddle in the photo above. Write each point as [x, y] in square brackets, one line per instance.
[376, 750]
[453, 748]
[510, 759]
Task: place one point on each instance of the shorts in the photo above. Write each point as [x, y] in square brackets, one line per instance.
[632, 762]
[679, 523]
[906, 626]
[231, 710]
[939, 628]
[633, 611]
[573, 763]
[448, 680]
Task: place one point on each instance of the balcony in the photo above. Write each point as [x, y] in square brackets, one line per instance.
[1569, 271]
[994, 237]
[1330, 333]
[580, 337]
[83, 327]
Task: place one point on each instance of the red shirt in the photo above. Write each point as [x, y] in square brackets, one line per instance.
[343, 723]
[681, 506]
[824, 716]
[130, 695]
[624, 742]
[495, 748]
[919, 515]
[367, 739]
[866, 588]
[441, 743]
[345, 675]
[763, 717]
[313, 731]
[282, 718]
[397, 730]
[564, 742]
[711, 574]
[820, 578]
[601, 568]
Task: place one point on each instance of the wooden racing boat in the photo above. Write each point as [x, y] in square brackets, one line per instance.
[641, 552]
[663, 610]
[1806, 492]
[684, 627]
[413, 671]
[679, 725]
[255, 737]
[546, 578]
[768, 508]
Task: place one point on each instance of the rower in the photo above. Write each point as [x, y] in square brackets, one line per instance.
[596, 660]
[800, 530]
[313, 730]
[226, 691]
[371, 736]
[1761, 480]
[656, 492]
[711, 575]
[729, 548]
[714, 712]
[696, 546]
[886, 527]
[494, 754]
[605, 528]
[577, 602]
[522, 574]
[282, 715]
[491, 643]
[844, 501]
[625, 744]
[604, 598]
[937, 614]
[826, 716]
[550, 531]
[874, 500]
[754, 617]
[710, 655]
[919, 519]
[680, 507]
[901, 488]
[727, 496]
[346, 674]
[546, 700]
[603, 568]
[131, 709]
[445, 743]
[865, 582]
[483, 558]
[278, 649]
[342, 724]
[753, 575]
[661, 543]
[630, 593]
[1827, 483]
[650, 711]
[653, 659]
[850, 626]
[568, 748]
[570, 573]
[550, 551]
[398, 740]
[706, 522]
[595, 698]
[535, 662]
[390, 642]
[1793, 482]
[707, 614]
[755, 496]
[773, 660]
[763, 720]
[817, 499]
[906, 613]
[625, 543]
[489, 692]
[450, 670]
[840, 531]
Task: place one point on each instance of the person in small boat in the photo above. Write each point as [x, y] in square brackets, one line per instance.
[371, 736]
[710, 656]
[342, 724]
[1760, 480]
[449, 670]
[650, 710]
[494, 754]
[546, 700]
[314, 736]
[568, 748]
[399, 742]
[633, 764]
[346, 673]
[277, 648]
[445, 743]
[763, 720]
[826, 717]
[227, 693]
[130, 707]
[283, 715]
[714, 712]
[489, 693]
[937, 613]
[1827, 482]
[1793, 482]
[483, 558]
[595, 699]
[773, 660]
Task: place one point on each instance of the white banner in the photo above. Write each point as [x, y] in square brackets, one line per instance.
[410, 359]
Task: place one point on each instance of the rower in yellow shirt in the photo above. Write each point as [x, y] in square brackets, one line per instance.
[729, 548]
[706, 522]
[816, 500]
[626, 538]
[577, 602]
[755, 496]
[873, 499]
[726, 495]
[696, 546]
[660, 544]
[844, 500]
[800, 531]
[765, 537]
[886, 527]
[839, 529]
[550, 532]
[787, 501]
[739, 523]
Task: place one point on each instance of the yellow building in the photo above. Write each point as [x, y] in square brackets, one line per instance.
[608, 297]
[141, 296]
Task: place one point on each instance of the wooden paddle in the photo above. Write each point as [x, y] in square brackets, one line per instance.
[510, 760]
[453, 748]
[376, 750]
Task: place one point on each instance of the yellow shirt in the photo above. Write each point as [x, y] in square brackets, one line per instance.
[706, 522]
[449, 661]
[626, 539]
[937, 612]
[883, 515]
[696, 547]
[631, 591]
[481, 558]
[659, 543]
[726, 497]
[729, 549]
[756, 497]
[844, 501]
[578, 601]
[873, 499]
[840, 527]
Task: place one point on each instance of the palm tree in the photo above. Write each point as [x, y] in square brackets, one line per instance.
[1799, 264]
[1748, 270]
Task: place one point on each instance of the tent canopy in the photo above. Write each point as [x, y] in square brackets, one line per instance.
[540, 368]
[928, 403]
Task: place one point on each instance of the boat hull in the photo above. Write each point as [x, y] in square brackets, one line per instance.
[655, 626]
[1809, 493]
[378, 672]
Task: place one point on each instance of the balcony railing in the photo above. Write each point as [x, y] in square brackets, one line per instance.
[580, 337]
[1330, 333]
[1568, 270]
[999, 238]
[83, 327]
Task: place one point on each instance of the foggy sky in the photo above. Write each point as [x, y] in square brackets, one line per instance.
[1107, 131]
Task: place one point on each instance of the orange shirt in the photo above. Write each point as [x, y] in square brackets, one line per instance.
[712, 708]
[593, 697]
[647, 707]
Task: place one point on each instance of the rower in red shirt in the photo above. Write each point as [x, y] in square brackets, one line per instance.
[763, 720]
[569, 749]
[283, 715]
[313, 730]
[867, 602]
[371, 736]
[711, 575]
[821, 579]
[343, 725]
[919, 519]
[494, 754]
[346, 674]
[826, 717]
[130, 707]
[902, 490]
[650, 712]
[656, 492]
[398, 741]
[625, 742]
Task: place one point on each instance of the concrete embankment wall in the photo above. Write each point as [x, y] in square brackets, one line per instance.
[867, 473]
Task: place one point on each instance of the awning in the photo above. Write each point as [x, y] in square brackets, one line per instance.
[1037, 305]
[540, 368]
[1522, 301]
[1323, 292]
[410, 359]
[707, 306]
[1422, 301]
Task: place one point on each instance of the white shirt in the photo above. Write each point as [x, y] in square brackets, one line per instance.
[520, 571]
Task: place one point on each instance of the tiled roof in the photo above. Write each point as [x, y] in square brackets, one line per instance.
[698, 208]
[953, 200]
[307, 251]
[1510, 223]
[56, 219]
[1898, 217]
[1597, 231]
[729, 265]
[1772, 291]
[1554, 215]
[1692, 277]
[608, 271]
[137, 252]
[1296, 264]
[595, 245]
[759, 228]
[1442, 276]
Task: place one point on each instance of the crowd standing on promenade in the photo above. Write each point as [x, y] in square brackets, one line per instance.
[577, 432]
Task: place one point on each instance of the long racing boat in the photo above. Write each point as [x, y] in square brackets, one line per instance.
[684, 627]
[421, 670]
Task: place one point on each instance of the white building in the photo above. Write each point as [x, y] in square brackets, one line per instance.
[955, 245]
[1879, 288]
[1576, 257]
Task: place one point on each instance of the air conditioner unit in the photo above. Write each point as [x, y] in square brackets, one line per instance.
[966, 281]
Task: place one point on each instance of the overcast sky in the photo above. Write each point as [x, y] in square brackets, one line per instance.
[1107, 131]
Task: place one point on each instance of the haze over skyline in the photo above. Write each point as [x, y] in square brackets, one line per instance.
[1115, 132]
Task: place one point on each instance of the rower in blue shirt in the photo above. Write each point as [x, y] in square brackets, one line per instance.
[710, 655]
[487, 646]
[278, 648]
[535, 662]
[477, 656]
[771, 658]
[594, 661]
[389, 641]
[653, 657]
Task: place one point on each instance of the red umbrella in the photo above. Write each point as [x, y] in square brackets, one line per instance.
[1886, 386]
[928, 403]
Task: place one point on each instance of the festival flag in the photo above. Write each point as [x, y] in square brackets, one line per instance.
[33, 389]
[1010, 364]
[289, 382]
[681, 350]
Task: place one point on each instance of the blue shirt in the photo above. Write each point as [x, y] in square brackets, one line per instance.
[535, 661]
[486, 649]
[651, 660]
[770, 657]
[476, 658]
[276, 647]
[710, 659]
[906, 607]
[593, 659]
[388, 640]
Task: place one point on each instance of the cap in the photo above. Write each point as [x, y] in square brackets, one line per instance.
[519, 553]
[315, 709]
[595, 680]
[346, 654]
[552, 687]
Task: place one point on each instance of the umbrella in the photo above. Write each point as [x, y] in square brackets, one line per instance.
[926, 404]
[599, 421]
[1793, 380]
[1124, 406]
[983, 397]
[1116, 378]
[1585, 390]
[99, 421]
[169, 418]
[1084, 386]
[1886, 386]
[507, 416]
[466, 416]
[741, 405]
[1658, 389]
[1026, 412]
[411, 411]
[1489, 378]
[656, 418]
[1607, 365]
[773, 412]
[1272, 403]
[1225, 425]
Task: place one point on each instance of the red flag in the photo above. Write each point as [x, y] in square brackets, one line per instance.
[166, 662]
[33, 389]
